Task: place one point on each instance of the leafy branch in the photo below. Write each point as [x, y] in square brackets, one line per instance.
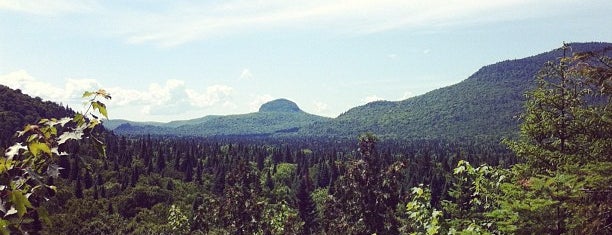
[25, 165]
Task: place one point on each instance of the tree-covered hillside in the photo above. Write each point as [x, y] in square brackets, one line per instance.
[18, 109]
[484, 106]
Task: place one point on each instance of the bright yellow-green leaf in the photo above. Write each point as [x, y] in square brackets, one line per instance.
[5, 165]
[36, 148]
[101, 107]
[20, 202]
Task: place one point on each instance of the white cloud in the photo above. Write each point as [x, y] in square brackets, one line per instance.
[172, 23]
[372, 98]
[258, 101]
[246, 74]
[69, 93]
[407, 95]
[392, 56]
[186, 22]
[320, 107]
[47, 7]
[171, 97]
[213, 95]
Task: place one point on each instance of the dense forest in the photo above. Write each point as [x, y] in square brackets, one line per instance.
[71, 176]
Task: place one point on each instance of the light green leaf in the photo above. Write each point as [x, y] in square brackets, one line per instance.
[87, 94]
[20, 202]
[101, 108]
[5, 165]
[36, 148]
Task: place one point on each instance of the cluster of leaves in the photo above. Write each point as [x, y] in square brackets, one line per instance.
[26, 166]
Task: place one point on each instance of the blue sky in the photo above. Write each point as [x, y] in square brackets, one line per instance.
[170, 60]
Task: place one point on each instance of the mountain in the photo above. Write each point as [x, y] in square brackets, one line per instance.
[114, 123]
[18, 109]
[483, 106]
[279, 116]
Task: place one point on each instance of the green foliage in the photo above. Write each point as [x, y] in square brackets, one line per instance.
[366, 195]
[482, 107]
[563, 184]
[424, 219]
[282, 219]
[566, 140]
[172, 185]
[25, 167]
[178, 221]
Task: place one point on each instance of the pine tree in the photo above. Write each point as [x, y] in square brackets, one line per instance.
[365, 196]
[306, 206]
[78, 188]
[135, 176]
[88, 180]
[161, 162]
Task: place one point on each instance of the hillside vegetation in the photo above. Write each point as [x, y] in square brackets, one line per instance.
[274, 117]
[484, 106]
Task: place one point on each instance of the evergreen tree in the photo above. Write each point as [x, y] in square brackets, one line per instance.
[306, 206]
[78, 188]
[566, 141]
[161, 162]
[199, 171]
[88, 180]
[135, 176]
[366, 195]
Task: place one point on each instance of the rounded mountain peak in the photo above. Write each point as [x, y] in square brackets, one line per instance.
[280, 105]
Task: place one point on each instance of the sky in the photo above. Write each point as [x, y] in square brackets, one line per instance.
[175, 60]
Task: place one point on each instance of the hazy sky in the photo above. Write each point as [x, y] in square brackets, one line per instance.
[168, 60]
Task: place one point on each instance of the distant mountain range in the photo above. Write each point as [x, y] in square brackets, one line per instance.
[279, 116]
[482, 107]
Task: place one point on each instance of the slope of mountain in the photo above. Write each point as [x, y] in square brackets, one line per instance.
[277, 116]
[17, 109]
[114, 123]
[483, 106]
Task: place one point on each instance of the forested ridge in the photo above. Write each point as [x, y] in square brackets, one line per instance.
[277, 117]
[553, 178]
[18, 109]
[482, 107]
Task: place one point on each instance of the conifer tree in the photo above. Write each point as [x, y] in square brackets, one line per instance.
[306, 206]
